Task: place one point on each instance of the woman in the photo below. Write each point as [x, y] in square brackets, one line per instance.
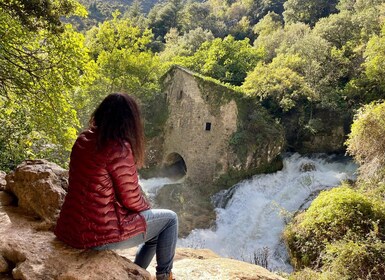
[104, 207]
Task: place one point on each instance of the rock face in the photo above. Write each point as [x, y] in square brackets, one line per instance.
[40, 187]
[324, 132]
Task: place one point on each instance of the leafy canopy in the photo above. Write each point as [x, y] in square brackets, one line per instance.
[39, 69]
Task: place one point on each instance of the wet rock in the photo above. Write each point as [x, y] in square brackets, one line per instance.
[40, 187]
[307, 167]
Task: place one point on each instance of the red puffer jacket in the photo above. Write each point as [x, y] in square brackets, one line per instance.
[104, 198]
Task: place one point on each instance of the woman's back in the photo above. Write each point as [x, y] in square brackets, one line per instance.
[93, 212]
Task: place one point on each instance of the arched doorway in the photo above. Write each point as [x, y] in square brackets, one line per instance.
[174, 166]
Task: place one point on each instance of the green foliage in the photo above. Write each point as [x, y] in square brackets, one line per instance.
[164, 16]
[366, 140]
[39, 70]
[178, 46]
[227, 60]
[123, 62]
[355, 260]
[41, 14]
[308, 11]
[279, 83]
[233, 176]
[375, 59]
[197, 15]
[338, 29]
[339, 214]
[269, 24]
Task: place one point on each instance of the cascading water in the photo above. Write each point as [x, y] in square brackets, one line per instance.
[254, 217]
[151, 186]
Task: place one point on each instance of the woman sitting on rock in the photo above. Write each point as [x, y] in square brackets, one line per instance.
[105, 207]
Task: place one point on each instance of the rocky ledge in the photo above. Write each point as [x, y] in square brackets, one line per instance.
[29, 249]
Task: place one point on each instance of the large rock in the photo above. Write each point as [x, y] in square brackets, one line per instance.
[40, 187]
[29, 254]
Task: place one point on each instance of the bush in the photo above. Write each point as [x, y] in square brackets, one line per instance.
[355, 260]
[366, 140]
[306, 274]
[337, 214]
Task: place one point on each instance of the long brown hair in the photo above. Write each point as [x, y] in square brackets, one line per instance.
[118, 118]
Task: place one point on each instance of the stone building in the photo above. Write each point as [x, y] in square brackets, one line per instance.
[211, 129]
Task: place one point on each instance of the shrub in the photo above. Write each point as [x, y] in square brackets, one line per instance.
[355, 260]
[366, 140]
[306, 274]
[334, 215]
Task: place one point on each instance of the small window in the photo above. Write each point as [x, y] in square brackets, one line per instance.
[208, 126]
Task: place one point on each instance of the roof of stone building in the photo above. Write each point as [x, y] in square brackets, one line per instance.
[204, 78]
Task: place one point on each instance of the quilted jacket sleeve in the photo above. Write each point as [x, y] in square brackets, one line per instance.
[124, 176]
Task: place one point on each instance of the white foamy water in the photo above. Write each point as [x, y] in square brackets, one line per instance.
[253, 219]
[153, 185]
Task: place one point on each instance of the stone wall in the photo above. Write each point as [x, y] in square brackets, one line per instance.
[198, 136]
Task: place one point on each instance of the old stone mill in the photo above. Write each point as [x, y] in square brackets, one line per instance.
[211, 130]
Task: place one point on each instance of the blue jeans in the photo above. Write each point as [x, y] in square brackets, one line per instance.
[160, 239]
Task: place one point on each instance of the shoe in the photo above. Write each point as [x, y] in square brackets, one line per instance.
[165, 276]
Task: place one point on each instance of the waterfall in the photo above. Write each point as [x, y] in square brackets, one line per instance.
[255, 212]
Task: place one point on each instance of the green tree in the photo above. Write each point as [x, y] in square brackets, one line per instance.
[41, 14]
[124, 62]
[338, 29]
[195, 14]
[366, 140]
[178, 46]
[40, 66]
[375, 59]
[163, 17]
[227, 60]
[308, 11]
[279, 83]
[135, 14]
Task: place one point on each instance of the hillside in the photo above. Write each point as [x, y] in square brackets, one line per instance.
[99, 10]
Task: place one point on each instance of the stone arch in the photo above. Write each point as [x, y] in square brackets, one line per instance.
[174, 166]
